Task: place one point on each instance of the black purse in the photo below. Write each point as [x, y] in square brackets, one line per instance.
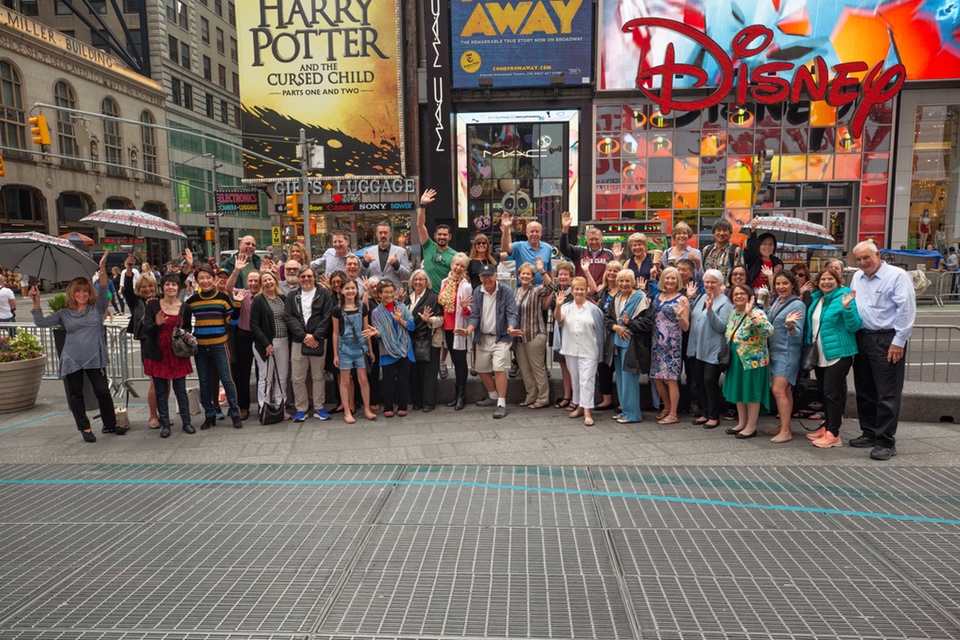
[810, 355]
[726, 350]
[271, 413]
[422, 348]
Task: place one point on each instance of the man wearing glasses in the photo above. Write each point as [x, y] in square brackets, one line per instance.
[291, 277]
[437, 253]
[307, 315]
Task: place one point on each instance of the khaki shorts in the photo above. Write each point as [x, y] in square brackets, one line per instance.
[492, 355]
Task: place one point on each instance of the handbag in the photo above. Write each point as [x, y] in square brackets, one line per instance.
[422, 348]
[184, 344]
[271, 413]
[726, 350]
[312, 351]
[810, 355]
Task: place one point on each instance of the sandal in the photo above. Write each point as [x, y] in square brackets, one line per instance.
[663, 414]
[537, 405]
[815, 416]
[521, 404]
[562, 403]
[572, 407]
[154, 423]
[588, 422]
[668, 420]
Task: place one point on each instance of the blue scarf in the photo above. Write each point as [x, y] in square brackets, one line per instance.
[629, 308]
[394, 339]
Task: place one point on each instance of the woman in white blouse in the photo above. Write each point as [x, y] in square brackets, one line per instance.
[582, 336]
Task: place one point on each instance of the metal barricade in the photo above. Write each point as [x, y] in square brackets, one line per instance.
[933, 354]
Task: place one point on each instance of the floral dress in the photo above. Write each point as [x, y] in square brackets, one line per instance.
[667, 356]
[170, 366]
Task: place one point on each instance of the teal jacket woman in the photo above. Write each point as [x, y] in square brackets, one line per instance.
[838, 326]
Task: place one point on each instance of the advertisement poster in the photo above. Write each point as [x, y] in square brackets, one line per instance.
[523, 44]
[333, 69]
[921, 37]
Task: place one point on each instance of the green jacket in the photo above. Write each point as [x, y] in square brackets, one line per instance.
[838, 326]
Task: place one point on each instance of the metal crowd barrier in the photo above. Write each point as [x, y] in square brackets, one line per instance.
[933, 354]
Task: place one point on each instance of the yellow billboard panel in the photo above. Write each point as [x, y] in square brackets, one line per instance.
[333, 69]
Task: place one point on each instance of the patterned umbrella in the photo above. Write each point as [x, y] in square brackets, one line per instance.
[78, 238]
[134, 223]
[43, 256]
[793, 230]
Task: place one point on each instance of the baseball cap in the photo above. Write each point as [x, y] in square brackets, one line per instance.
[488, 270]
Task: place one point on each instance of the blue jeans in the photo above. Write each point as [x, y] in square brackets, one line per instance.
[216, 354]
[163, 405]
[628, 388]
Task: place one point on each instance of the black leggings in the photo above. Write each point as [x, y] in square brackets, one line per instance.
[708, 384]
[833, 389]
[73, 383]
[459, 357]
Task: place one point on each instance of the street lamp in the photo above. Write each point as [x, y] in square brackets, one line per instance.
[216, 219]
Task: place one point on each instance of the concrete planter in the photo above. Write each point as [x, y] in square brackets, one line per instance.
[20, 382]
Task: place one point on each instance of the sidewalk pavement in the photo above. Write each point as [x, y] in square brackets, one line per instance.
[47, 434]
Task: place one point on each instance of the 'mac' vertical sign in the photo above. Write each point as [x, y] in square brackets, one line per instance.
[438, 166]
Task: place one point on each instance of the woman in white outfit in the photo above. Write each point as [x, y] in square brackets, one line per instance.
[582, 336]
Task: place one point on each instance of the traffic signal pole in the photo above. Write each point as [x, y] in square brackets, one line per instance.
[305, 196]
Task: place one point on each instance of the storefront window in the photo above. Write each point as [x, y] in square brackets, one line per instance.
[697, 167]
[527, 164]
[934, 188]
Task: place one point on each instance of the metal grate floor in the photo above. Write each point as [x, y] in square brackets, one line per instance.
[328, 552]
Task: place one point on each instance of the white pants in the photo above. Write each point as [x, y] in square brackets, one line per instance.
[281, 356]
[301, 365]
[583, 378]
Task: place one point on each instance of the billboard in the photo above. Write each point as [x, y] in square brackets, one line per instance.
[524, 44]
[918, 36]
[334, 70]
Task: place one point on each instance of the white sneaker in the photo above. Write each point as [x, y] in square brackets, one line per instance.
[444, 372]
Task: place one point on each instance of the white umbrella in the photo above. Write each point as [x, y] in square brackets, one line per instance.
[134, 223]
[46, 257]
[793, 230]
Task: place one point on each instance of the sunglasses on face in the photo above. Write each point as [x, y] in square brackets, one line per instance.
[481, 244]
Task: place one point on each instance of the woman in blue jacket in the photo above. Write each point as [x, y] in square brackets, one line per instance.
[786, 314]
[832, 324]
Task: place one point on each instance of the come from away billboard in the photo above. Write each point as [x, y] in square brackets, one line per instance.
[920, 35]
[521, 44]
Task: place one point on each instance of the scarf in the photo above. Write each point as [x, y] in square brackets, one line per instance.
[394, 339]
[630, 306]
[448, 295]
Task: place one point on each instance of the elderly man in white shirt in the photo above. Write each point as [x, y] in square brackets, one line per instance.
[888, 307]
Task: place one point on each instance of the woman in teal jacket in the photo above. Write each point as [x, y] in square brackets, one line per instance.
[832, 323]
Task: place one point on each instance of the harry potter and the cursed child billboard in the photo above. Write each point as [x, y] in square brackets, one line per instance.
[333, 69]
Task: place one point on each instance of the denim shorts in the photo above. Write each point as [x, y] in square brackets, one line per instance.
[351, 356]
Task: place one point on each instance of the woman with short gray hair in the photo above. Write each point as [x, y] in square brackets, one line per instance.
[708, 322]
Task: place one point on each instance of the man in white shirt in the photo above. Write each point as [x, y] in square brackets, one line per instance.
[307, 314]
[494, 314]
[887, 306]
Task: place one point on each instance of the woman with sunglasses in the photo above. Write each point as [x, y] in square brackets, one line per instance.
[804, 283]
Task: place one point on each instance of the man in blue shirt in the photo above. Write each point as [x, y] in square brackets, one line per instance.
[526, 250]
[888, 307]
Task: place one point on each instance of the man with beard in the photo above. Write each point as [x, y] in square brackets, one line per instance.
[291, 275]
[386, 260]
[437, 253]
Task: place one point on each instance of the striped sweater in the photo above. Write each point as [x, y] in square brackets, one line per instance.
[211, 315]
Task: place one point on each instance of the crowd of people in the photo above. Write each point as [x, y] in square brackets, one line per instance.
[720, 333]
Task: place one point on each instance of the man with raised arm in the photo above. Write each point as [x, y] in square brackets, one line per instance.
[526, 250]
[594, 251]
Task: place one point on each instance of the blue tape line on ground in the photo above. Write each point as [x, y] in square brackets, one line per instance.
[32, 420]
[484, 485]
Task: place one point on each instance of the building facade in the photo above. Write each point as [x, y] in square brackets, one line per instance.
[91, 162]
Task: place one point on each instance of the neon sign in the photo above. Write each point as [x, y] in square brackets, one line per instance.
[763, 83]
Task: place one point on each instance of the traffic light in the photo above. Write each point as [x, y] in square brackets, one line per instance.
[313, 225]
[210, 235]
[39, 129]
[3, 172]
[293, 206]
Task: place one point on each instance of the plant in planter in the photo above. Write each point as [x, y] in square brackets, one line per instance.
[22, 359]
[57, 302]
